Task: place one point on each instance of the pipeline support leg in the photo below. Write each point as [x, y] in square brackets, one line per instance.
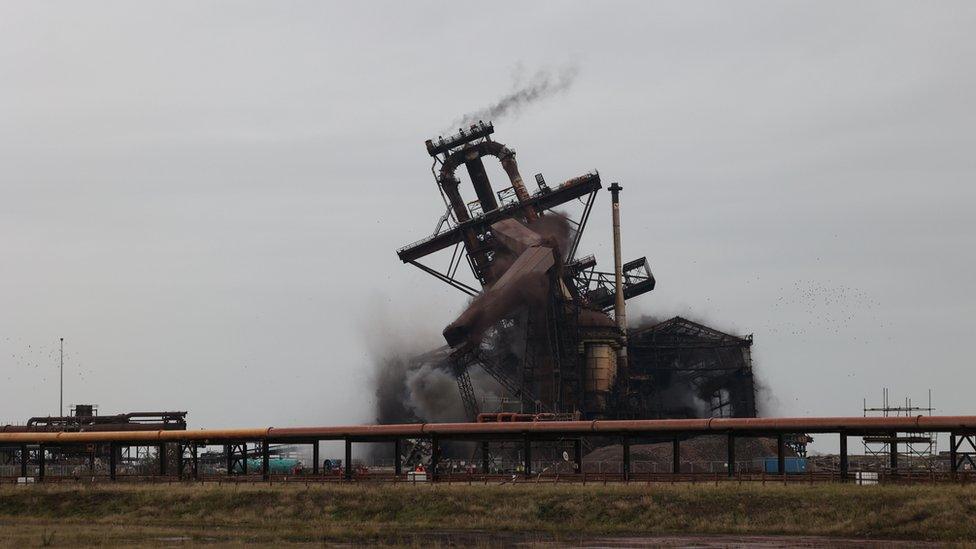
[625, 445]
[113, 452]
[578, 455]
[843, 457]
[780, 454]
[180, 447]
[485, 457]
[953, 457]
[397, 458]
[315, 457]
[265, 460]
[435, 458]
[676, 455]
[348, 463]
[162, 459]
[893, 447]
[730, 446]
[24, 458]
[527, 454]
[40, 461]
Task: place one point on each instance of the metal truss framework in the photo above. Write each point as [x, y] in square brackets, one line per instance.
[188, 465]
[597, 287]
[962, 452]
[711, 367]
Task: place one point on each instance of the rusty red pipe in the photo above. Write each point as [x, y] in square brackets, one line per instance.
[500, 427]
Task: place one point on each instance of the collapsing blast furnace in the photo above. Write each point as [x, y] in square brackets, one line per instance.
[540, 323]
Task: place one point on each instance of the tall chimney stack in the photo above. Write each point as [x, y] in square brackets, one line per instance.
[619, 307]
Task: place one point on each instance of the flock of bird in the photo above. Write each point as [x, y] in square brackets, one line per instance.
[43, 361]
[813, 308]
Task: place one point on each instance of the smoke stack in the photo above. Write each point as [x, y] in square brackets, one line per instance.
[619, 306]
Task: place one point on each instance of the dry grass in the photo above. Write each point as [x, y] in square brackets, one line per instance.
[441, 514]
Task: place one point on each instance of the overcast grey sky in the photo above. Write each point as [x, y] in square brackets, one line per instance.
[204, 198]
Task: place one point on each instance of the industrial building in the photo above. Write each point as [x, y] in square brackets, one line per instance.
[546, 325]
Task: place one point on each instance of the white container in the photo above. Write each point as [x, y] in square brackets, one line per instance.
[415, 476]
[866, 478]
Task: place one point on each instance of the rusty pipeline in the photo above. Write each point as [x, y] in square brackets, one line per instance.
[745, 426]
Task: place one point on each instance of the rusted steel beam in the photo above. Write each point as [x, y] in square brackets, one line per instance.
[570, 190]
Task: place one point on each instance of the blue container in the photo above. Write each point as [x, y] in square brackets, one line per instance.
[276, 466]
[793, 465]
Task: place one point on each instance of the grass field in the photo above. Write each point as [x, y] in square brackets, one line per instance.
[428, 515]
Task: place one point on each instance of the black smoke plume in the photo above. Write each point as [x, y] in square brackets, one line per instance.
[422, 389]
[543, 84]
[413, 389]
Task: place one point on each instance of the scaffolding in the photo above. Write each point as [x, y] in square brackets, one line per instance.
[916, 449]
